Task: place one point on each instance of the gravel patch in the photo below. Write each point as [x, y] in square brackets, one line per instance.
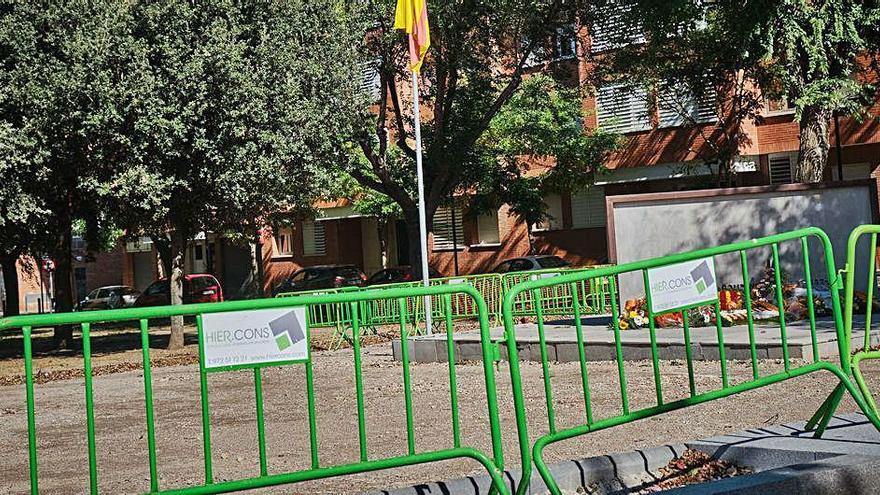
[121, 438]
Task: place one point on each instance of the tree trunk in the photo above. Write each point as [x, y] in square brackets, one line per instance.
[413, 234]
[63, 277]
[178, 250]
[814, 146]
[257, 267]
[382, 232]
[163, 253]
[9, 266]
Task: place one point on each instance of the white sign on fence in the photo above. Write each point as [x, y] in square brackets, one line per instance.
[682, 284]
[263, 336]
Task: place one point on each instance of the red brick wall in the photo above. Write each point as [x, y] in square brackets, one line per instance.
[344, 246]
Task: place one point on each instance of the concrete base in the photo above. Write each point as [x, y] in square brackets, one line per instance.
[785, 458]
[561, 340]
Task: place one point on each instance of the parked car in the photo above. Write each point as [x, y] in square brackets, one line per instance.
[108, 297]
[197, 288]
[323, 277]
[398, 274]
[542, 262]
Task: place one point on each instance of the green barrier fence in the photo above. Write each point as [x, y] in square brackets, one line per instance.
[309, 306]
[592, 298]
[660, 294]
[865, 353]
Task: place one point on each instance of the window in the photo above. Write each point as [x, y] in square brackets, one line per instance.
[852, 171]
[558, 45]
[678, 105]
[554, 212]
[77, 243]
[780, 105]
[622, 108]
[782, 167]
[613, 29]
[588, 208]
[443, 225]
[199, 252]
[566, 41]
[371, 83]
[487, 229]
[314, 242]
[283, 241]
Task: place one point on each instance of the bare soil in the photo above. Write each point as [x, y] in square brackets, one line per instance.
[121, 435]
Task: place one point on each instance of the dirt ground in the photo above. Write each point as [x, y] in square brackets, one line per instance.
[120, 416]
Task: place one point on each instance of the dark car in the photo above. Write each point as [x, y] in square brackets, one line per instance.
[398, 274]
[109, 297]
[197, 288]
[525, 263]
[323, 277]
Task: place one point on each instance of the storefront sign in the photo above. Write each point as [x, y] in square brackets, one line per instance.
[682, 285]
[258, 337]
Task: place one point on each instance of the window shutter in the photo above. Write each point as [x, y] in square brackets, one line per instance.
[487, 228]
[612, 29]
[622, 108]
[678, 106]
[370, 80]
[781, 168]
[314, 241]
[443, 228]
[588, 208]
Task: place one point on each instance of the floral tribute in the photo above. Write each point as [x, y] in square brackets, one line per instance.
[732, 303]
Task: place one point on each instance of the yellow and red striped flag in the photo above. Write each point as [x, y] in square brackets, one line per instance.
[412, 17]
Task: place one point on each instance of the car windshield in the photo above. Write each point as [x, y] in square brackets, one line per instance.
[200, 283]
[160, 287]
[552, 262]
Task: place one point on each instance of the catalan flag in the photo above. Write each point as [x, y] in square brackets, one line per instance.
[412, 17]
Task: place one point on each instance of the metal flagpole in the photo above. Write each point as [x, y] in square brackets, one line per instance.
[423, 225]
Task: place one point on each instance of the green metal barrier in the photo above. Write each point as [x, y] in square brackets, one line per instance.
[591, 296]
[315, 305]
[866, 353]
[537, 287]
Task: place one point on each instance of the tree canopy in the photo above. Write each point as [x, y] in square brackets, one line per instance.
[479, 55]
[819, 56]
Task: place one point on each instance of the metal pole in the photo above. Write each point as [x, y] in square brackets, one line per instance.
[839, 153]
[423, 225]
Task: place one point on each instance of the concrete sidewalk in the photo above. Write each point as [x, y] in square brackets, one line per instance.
[784, 458]
[599, 342]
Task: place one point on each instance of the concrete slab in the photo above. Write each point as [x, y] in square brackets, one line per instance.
[599, 344]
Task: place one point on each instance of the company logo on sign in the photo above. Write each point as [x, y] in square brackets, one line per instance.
[703, 277]
[286, 331]
[682, 285]
[259, 337]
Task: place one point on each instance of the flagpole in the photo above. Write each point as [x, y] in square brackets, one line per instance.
[423, 224]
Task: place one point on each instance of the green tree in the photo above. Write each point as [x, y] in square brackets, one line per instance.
[542, 123]
[479, 54]
[243, 112]
[69, 71]
[816, 54]
[23, 215]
